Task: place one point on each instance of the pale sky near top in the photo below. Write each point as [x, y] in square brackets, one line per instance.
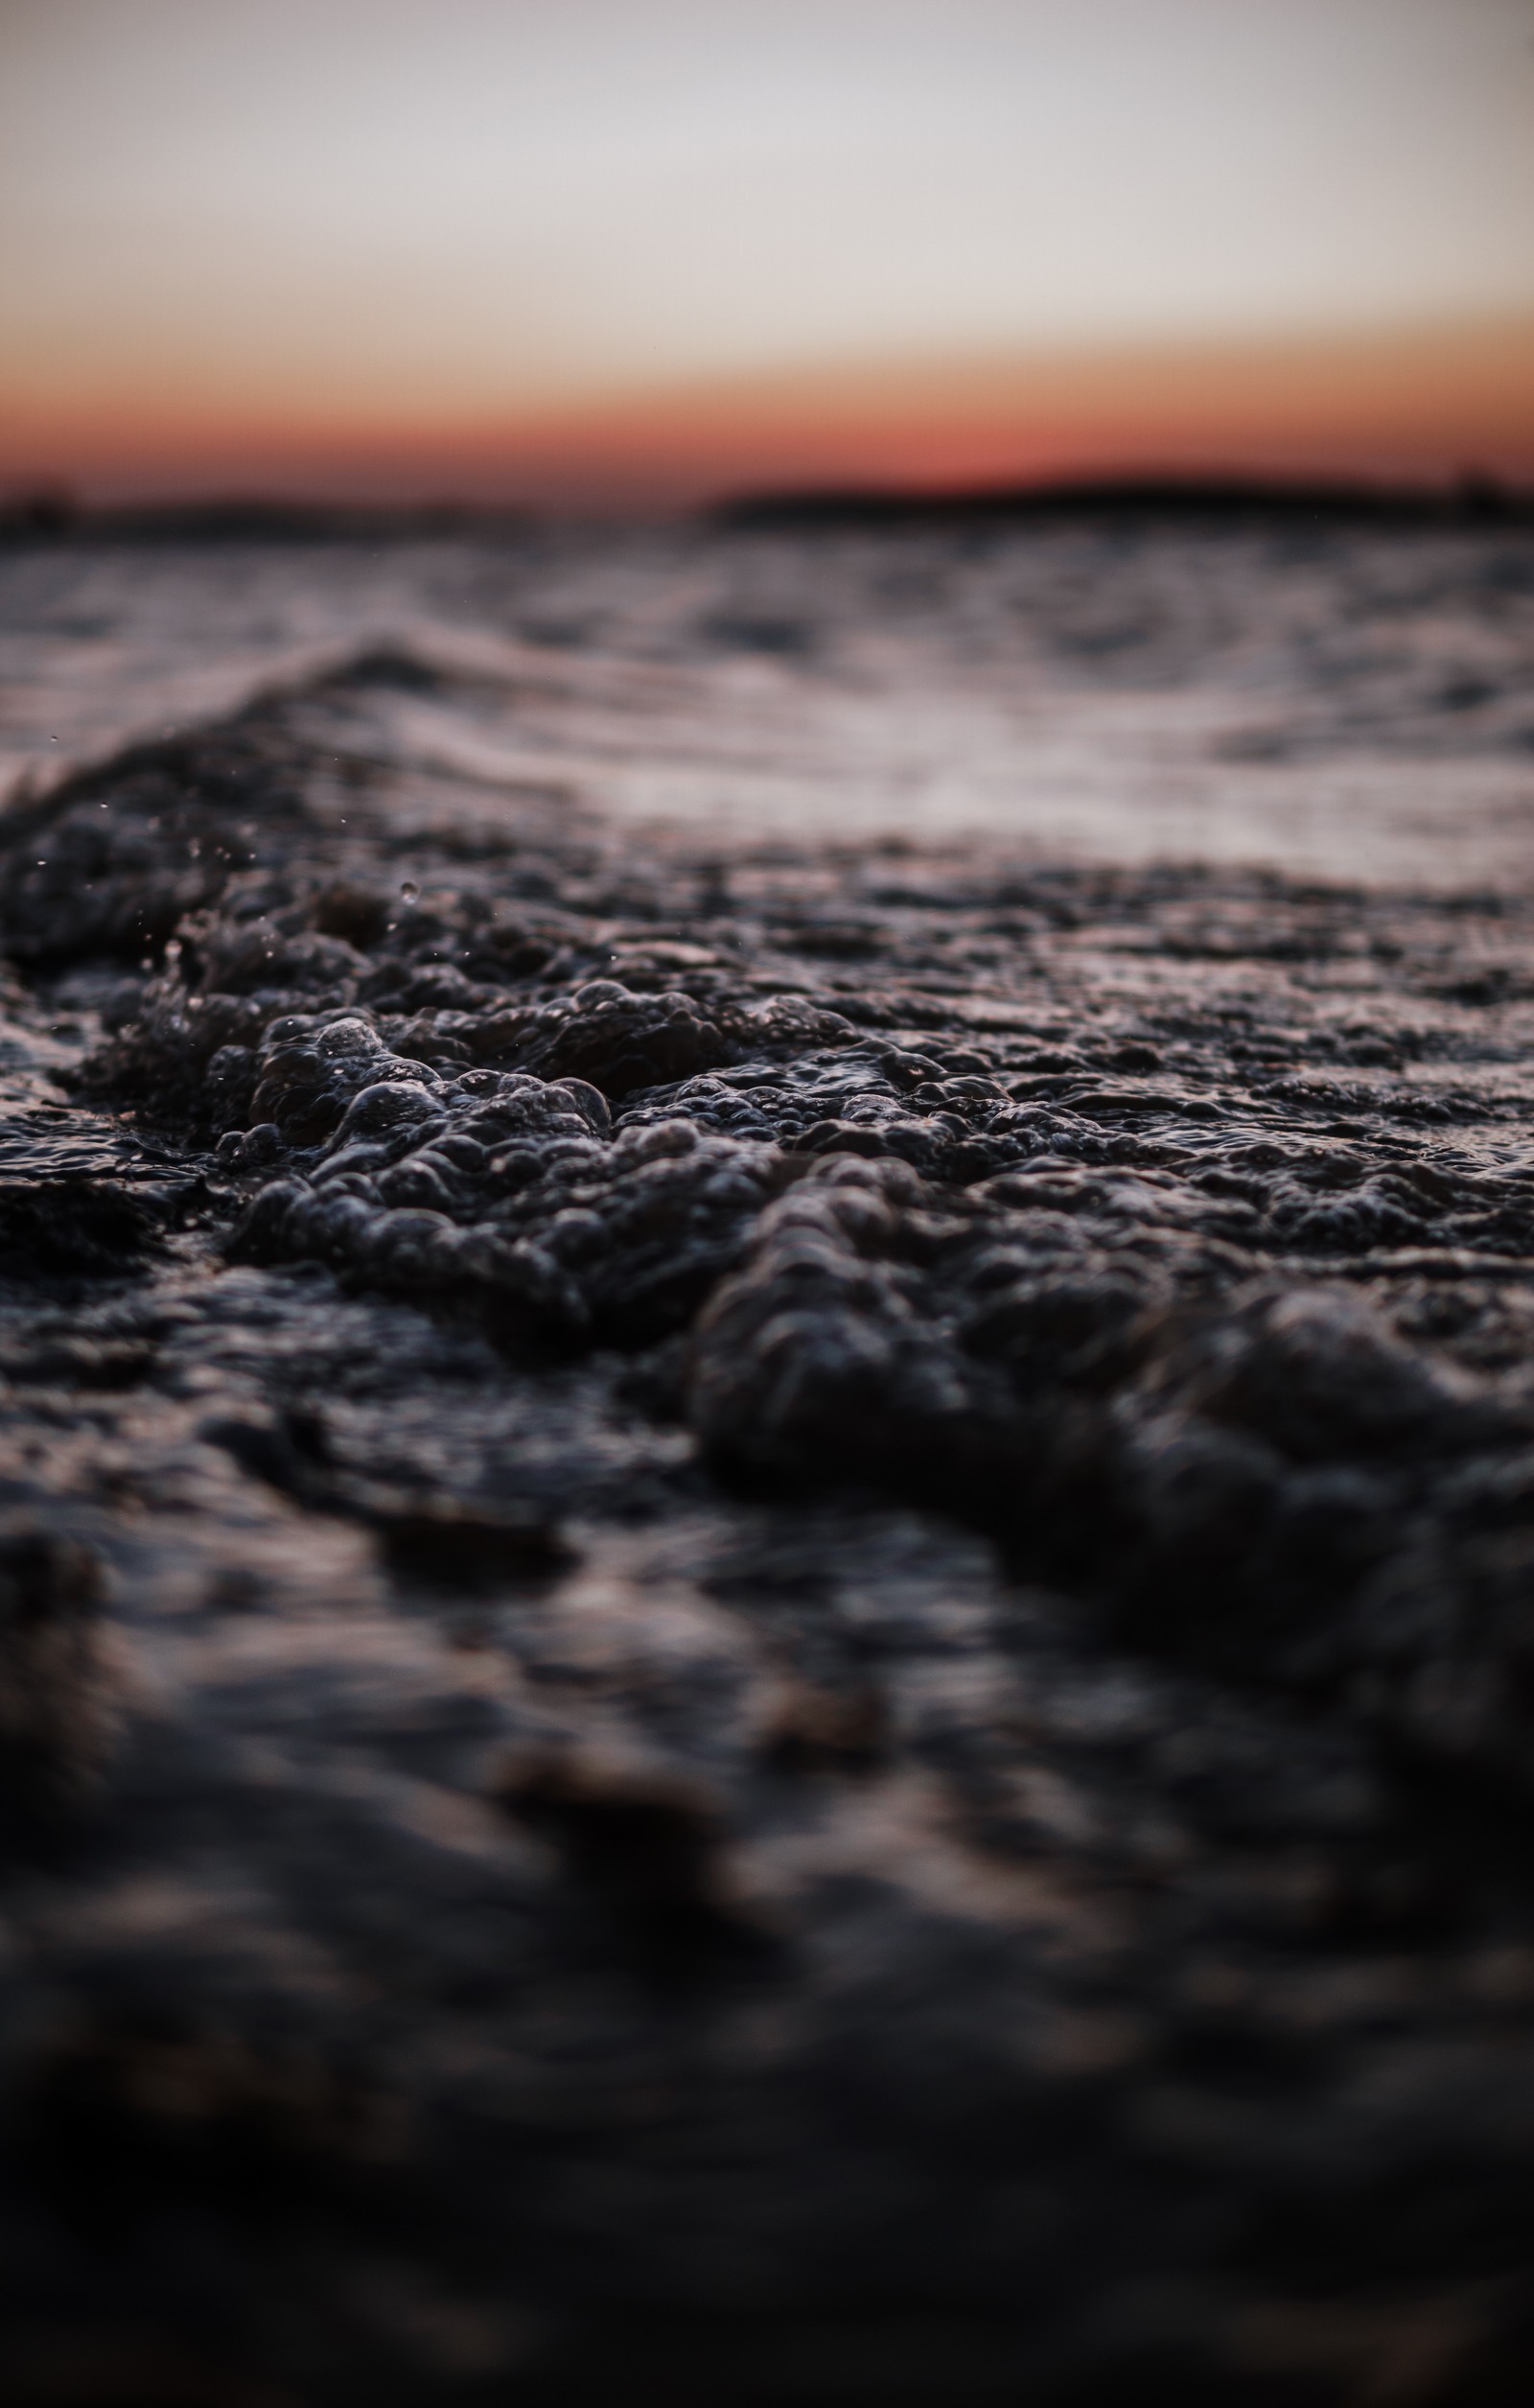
[367, 208]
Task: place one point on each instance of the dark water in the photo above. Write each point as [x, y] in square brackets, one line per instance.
[1342, 702]
[764, 1593]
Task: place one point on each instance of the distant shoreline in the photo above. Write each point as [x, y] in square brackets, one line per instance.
[1475, 499]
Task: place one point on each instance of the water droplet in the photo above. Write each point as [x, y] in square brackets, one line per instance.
[409, 892]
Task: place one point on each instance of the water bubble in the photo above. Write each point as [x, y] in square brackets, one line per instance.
[409, 892]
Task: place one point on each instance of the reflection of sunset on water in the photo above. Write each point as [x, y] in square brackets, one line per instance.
[1327, 699]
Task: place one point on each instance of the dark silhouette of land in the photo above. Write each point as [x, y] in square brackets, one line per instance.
[53, 513]
[1473, 500]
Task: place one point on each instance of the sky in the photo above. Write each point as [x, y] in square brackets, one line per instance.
[649, 250]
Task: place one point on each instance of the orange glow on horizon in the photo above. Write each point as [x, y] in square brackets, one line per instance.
[1422, 403]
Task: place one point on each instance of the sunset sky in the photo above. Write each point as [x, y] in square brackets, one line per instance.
[638, 251]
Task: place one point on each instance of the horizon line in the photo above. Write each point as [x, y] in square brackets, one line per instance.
[1472, 494]
[1407, 404]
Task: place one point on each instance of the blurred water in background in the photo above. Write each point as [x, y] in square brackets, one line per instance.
[1336, 703]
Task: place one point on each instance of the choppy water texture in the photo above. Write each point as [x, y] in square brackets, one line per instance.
[766, 1508]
